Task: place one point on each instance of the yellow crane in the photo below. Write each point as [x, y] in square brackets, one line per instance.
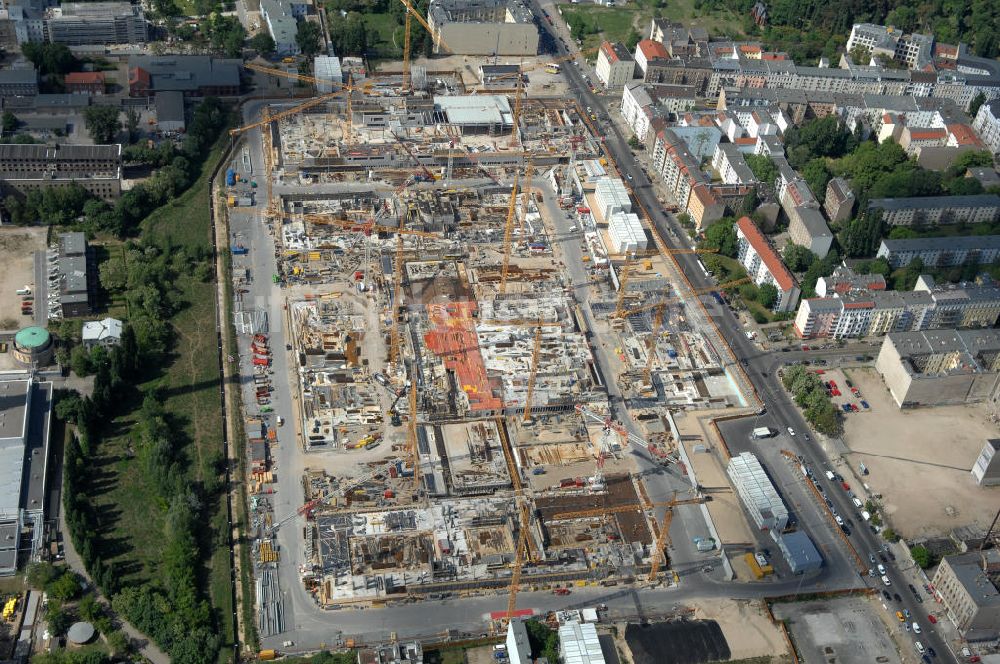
[507, 230]
[663, 537]
[677, 300]
[651, 343]
[536, 351]
[412, 13]
[367, 227]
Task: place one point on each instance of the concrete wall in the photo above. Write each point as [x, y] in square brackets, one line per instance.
[489, 38]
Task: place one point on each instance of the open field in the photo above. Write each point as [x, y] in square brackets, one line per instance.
[920, 459]
[17, 248]
[746, 626]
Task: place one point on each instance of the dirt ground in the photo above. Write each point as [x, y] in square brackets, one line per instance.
[540, 82]
[17, 247]
[848, 630]
[748, 630]
[709, 468]
[919, 460]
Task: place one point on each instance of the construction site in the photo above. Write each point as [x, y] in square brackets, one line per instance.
[465, 287]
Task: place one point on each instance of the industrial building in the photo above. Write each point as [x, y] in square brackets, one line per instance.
[32, 347]
[518, 647]
[761, 499]
[96, 168]
[626, 233]
[78, 23]
[192, 75]
[578, 643]
[968, 587]
[19, 82]
[483, 27]
[25, 417]
[77, 275]
[327, 69]
[986, 470]
[939, 367]
[941, 251]
[170, 111]
[764, 264]
[798, 550]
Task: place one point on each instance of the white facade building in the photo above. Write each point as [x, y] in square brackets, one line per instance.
[626, 233]
[637, 108]
[518, 648]
[611, 197]
[107, 333]
[757, 492]
[615, 65]
[578, 643]
[987, 125]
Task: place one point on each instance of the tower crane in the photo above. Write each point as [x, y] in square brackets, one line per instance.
[507, 229]
[651, 343]
[627, 436]
[412, 13]
[663, 537]
[677, 300]
[536, 350]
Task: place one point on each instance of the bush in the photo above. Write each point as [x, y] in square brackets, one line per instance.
[922, 556]
[890, 535]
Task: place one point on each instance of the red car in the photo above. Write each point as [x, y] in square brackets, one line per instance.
[833, 384]
[930, 616]
[835, 392]
[847, 487]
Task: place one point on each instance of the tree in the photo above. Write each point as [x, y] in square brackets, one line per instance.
[749, 292]
[632, 39]
[49, 58]
[890, 535]
[798, 258]
[263, 43]
[102, 123]
[922, 556]
[817, 175]
[904, 18]
[79, 361]
[132, 123]
[118, 642]
[57, 618]
[977, 102]
[308, 38]
[41, 574]
[10, 122]
[767, 295]
[762, 167]
[634, 142]
[721, 236]
[65, 587]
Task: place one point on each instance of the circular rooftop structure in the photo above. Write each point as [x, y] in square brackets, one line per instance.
[80, 633]
[34, 337]
[32, 347]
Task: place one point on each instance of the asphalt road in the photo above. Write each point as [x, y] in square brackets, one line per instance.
[781, 412]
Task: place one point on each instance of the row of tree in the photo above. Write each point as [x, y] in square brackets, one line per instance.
[810, 395]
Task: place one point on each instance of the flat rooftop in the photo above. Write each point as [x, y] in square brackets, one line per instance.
[13, 407]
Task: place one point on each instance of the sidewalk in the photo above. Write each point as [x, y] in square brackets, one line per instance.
[146, 647]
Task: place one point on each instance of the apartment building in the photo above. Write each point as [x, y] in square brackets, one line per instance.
[648, 50]
[282, 24]
[96, 168]
[807, 228]
[859, 306]
[764, 265]
[839, 201]
[941, 251]
[969, 587]
[929, 210]
[675, 99]
[79, 23]
[85, 82]
[637, 109]
[696, 72]
[914, 50]
[615, 65]
[729, 163]
[987, 125]
[77, 275]
[940, 367]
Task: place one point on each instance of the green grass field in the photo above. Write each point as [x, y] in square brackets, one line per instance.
[132, 520]
[381, 28]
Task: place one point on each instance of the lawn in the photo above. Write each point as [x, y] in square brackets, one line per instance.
[614, 23]
[132, 523]
[381, 28]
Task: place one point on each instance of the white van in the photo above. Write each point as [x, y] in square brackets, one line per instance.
[857, 502]
[919, 646]
[829, 475]
[886, 580]
[865, 515]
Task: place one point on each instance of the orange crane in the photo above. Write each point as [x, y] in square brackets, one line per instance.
[412, 13]
[430, 176]
[367, 227]
[507, 229]
[627, 269]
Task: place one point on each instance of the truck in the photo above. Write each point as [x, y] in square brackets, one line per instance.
[704, 544]
[239, 250]
[261, 362]
[762, 432]
[230, 177]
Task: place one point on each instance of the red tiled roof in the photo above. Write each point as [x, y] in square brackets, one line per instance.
[609, 51]
[652, 50]
[84, 77]
[927, 134]
[963, 134]
[767, 253]
[746, 140]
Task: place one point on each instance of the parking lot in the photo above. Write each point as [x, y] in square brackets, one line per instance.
[17, 248]
[847, 630]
